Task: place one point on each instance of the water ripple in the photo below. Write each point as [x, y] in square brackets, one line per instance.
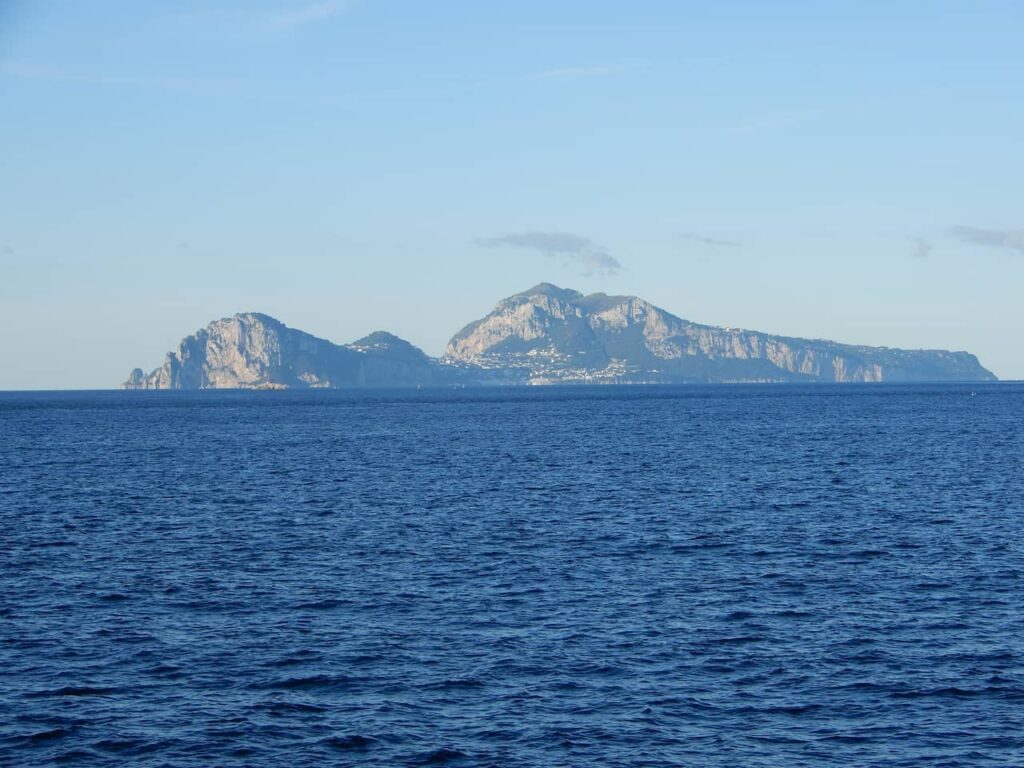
[710, 576]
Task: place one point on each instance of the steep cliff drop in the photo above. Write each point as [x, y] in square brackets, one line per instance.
[546, 335]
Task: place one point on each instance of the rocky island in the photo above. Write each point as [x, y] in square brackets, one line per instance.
[545, 335]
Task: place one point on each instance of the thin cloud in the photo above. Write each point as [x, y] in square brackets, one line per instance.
[582, 250]
[307, 14]
[921, 249]
[8, 250]
[1010, 239]
[712, 241]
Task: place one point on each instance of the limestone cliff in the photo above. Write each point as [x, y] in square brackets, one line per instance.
[255, 351]
[551, 334]
[546, 335]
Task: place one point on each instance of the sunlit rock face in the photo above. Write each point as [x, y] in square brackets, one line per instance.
[546, 335]
[550, 334]
[254, 351]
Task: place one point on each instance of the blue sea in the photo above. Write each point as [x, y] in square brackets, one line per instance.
[612, 576]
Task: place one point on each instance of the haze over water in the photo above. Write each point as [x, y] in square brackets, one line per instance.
[712, 576]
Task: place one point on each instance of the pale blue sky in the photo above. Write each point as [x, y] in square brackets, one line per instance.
[848, 170]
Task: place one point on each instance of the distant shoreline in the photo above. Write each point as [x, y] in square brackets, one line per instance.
[534, 387]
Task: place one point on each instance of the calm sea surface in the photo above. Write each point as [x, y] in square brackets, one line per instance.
[698, 576]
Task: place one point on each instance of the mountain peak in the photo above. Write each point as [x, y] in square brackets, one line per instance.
[603, 339]
[256, 351]
[382, 342]
[255, 317]
[548, 289]
[598, 302]
[378, 339]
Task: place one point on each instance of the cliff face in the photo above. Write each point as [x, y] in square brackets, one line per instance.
[549, 334]
[252, 351]
[546, 335]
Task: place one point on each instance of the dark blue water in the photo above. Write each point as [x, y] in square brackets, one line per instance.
[720, 576]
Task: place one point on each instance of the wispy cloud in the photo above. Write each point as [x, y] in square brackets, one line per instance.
[712, 241]
[307, 14]
[1010, 239]
[574, 72]
[582, 250]
[921, 248]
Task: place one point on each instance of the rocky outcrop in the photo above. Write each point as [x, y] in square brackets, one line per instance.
[552, 335]
[546, 335]
[254, 351]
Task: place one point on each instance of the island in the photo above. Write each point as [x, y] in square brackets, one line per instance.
[545, 335]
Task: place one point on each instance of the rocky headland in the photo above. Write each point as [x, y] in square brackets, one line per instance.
[546, 335]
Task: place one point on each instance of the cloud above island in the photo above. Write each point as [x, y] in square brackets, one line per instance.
[592, 257]
[1007, 239]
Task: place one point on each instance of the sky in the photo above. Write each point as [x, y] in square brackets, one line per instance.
[843, 170]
